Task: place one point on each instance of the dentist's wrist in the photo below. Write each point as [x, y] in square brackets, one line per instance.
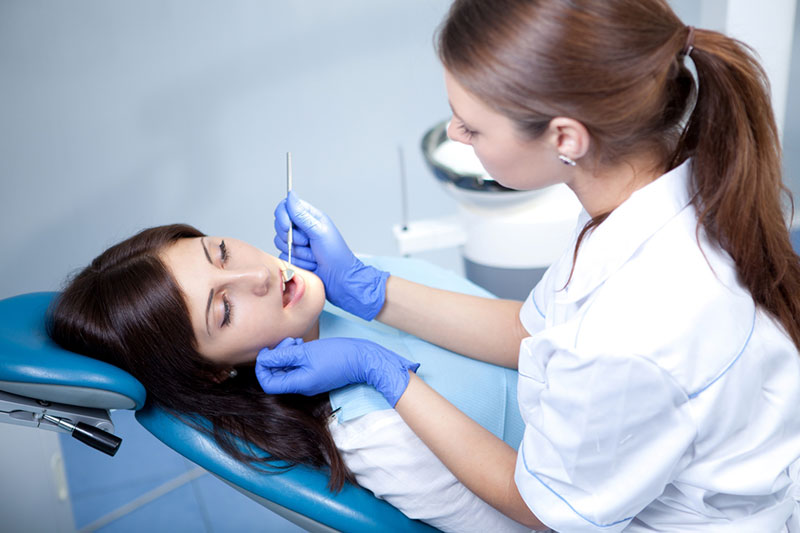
[391, 378]
[374, 297]
[365, 292]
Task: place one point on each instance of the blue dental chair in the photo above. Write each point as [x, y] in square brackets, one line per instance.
[44, 386]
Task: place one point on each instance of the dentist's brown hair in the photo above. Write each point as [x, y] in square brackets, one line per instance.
[618, 67]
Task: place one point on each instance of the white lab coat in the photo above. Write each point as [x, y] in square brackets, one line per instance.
[388, 459]
[656, 395]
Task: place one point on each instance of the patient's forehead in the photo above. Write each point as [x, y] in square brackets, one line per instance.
[185, 259]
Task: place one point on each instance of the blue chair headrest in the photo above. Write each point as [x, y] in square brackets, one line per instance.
[32, 365]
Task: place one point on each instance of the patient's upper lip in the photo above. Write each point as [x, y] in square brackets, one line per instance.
[299, 290]
[282, 267]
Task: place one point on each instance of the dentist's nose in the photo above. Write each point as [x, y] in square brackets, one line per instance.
[254, 278]
[455, 134]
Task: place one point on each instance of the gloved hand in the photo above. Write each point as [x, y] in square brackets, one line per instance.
[319, 247]
[319, 366]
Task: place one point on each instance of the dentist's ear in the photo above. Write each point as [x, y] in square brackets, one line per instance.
[569, 137]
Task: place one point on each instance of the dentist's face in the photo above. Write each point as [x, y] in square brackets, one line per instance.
[236, 297]
[510, 159]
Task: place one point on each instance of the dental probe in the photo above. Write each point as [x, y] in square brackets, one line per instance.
[289, 273]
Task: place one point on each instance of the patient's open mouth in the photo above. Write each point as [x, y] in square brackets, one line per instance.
[293, 290]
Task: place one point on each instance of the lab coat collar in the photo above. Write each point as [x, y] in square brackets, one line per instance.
[611, 244]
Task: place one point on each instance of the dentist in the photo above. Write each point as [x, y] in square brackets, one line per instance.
[659, 375]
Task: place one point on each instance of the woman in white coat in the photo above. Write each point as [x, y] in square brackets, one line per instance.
[658, 358]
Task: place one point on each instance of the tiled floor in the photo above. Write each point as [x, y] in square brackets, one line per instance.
[100, 485]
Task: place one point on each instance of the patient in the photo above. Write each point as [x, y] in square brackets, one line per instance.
[186, 314]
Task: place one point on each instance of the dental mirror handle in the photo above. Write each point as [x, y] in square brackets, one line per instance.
[288, 274]
[97, 438]
[289, 188]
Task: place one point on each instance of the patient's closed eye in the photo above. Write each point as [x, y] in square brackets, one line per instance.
[224, 254]
[228, 312]
[227, 304]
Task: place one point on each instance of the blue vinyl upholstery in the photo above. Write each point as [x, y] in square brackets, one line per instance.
[29, 356]
[301, 489]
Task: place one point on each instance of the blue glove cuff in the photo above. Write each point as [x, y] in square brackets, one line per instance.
[369, 284]
[392, 380]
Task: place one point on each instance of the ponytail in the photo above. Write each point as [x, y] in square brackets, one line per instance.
[733, 140]
[619, 68]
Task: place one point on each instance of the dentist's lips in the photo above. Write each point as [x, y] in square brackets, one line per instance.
[294, 290]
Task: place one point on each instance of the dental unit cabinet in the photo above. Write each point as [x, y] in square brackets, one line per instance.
[507, 238]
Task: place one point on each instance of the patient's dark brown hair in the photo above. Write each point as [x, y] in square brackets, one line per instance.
[126, 309]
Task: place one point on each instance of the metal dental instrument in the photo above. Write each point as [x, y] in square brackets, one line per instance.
[289, 273]
[403, 187]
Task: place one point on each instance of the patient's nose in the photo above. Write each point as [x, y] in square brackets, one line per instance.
[254, 278]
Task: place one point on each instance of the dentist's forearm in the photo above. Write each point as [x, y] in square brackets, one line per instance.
[482, 328]
[481, 461]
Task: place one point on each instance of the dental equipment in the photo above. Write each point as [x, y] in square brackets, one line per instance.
[289, 273]
[507, 238]
[403, 188]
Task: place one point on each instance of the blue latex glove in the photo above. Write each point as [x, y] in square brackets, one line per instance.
[319, 247]
[319, 366]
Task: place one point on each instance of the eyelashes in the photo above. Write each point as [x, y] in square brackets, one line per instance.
[224, 254]
[228, 311]
[227, 305]
[466, 131]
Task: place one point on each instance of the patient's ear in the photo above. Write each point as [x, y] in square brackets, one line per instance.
[223, 374]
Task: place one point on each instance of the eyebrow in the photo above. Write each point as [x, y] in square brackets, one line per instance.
[211, 292]
[205, 250]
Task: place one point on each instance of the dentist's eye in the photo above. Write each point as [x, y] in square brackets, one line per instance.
[224, 254]
[466, 131]
[228, 311]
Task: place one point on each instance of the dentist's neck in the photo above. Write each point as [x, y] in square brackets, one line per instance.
[603, 190]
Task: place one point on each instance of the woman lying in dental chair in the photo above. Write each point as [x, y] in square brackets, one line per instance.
[187, 314]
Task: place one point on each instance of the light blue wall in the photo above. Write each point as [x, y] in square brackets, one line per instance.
[791, 130]
[119, 115]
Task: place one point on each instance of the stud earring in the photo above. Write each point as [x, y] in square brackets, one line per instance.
[233, 373]
[566, 160]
